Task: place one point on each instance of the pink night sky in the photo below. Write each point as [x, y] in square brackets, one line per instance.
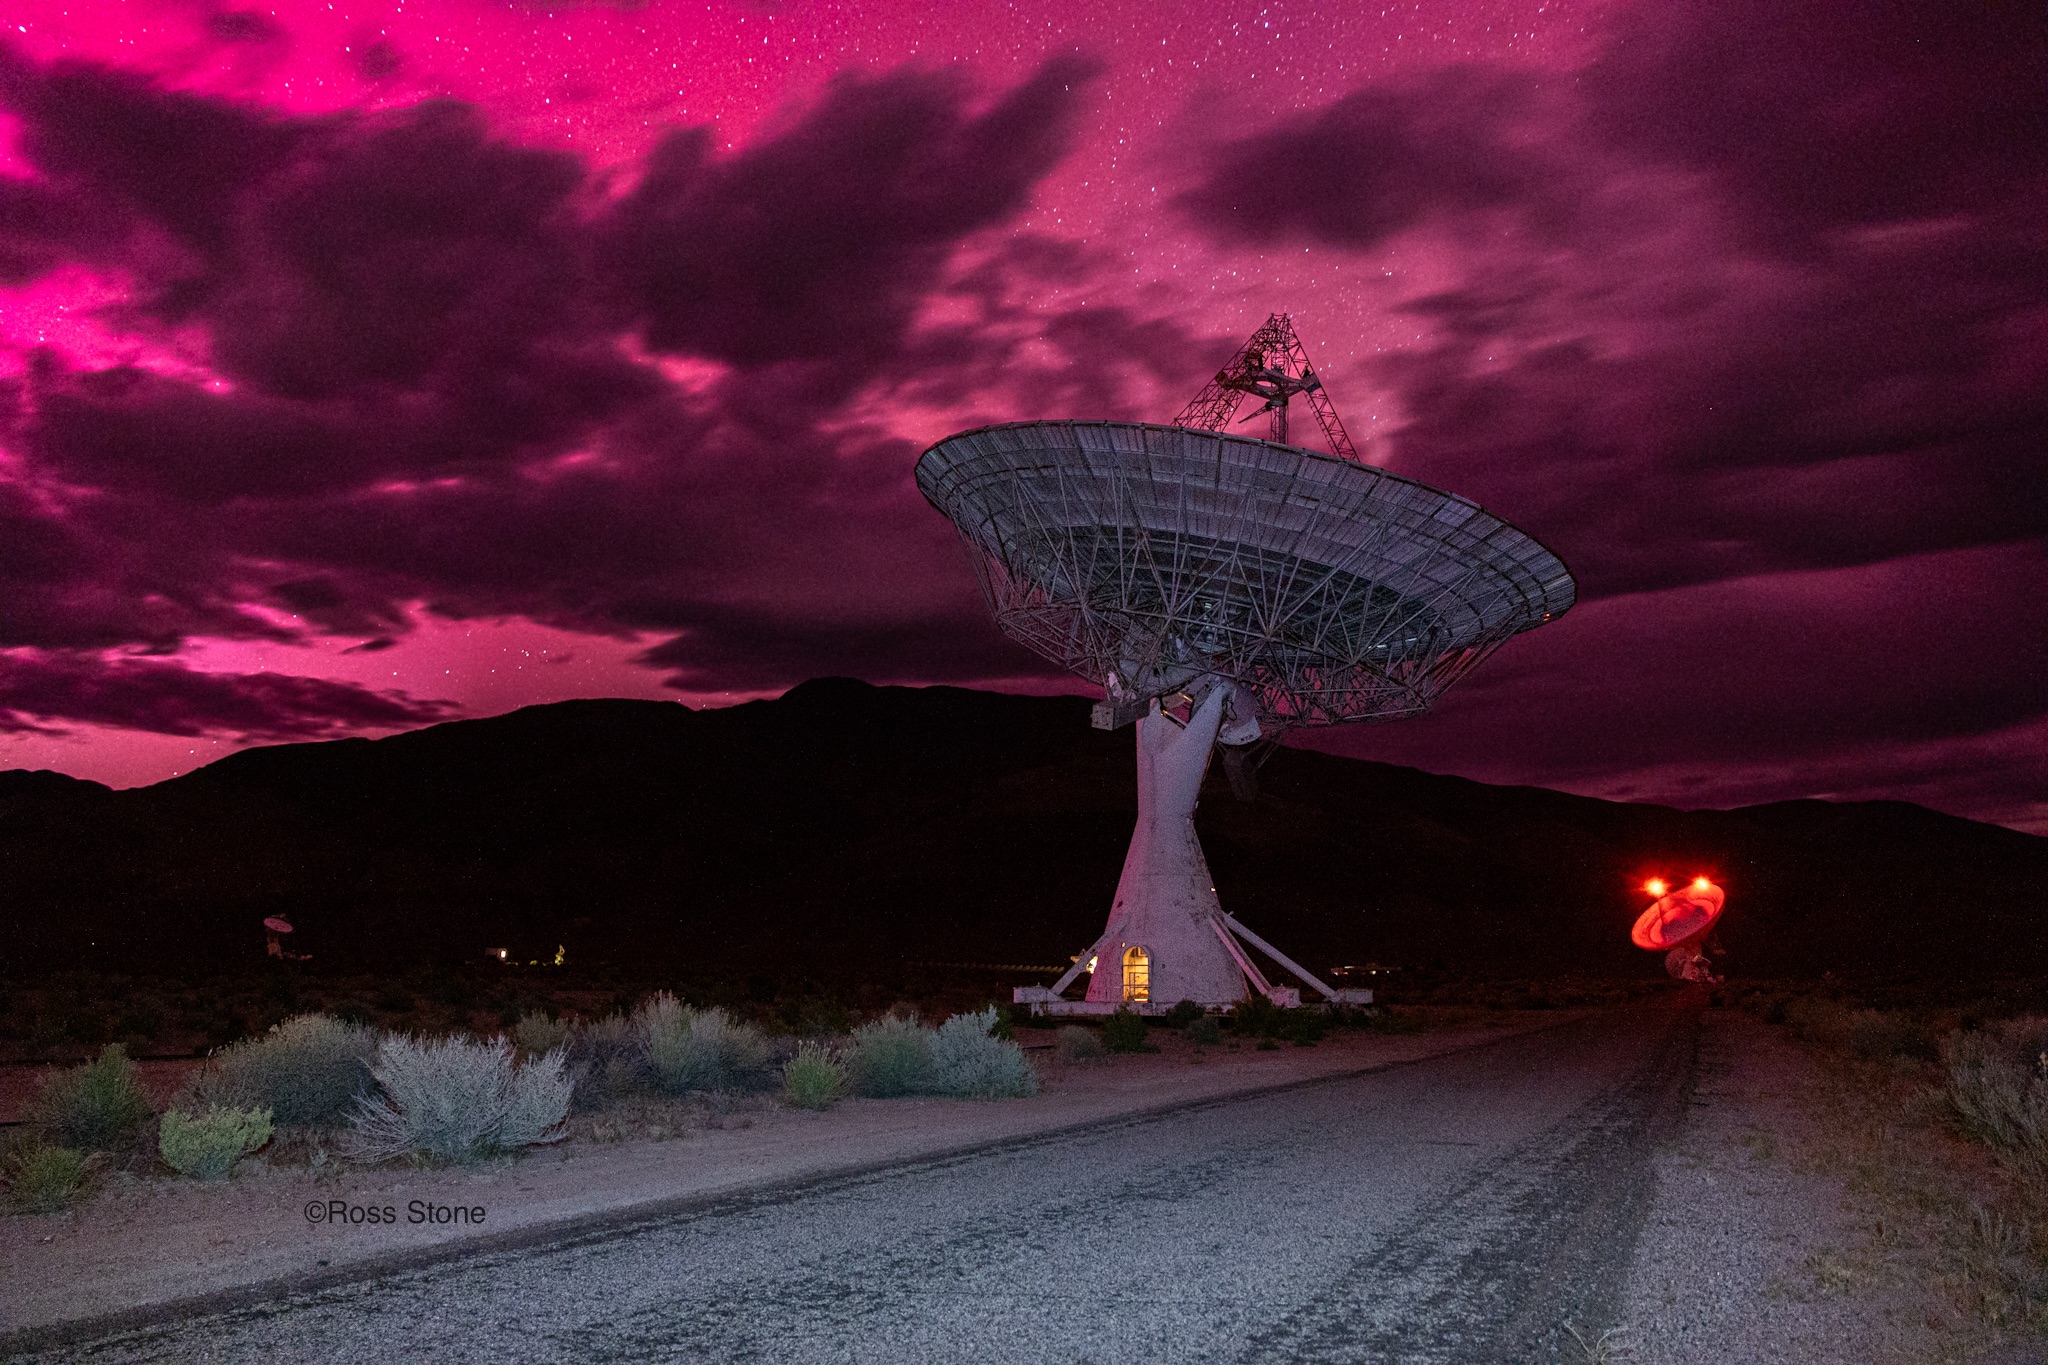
[364, 365]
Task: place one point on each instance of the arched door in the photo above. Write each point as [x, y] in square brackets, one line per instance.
[1137, 974]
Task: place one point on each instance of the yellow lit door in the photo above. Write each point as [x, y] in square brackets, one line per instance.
[1137, 974]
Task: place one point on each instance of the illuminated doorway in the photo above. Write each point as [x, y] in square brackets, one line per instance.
[1137, 975]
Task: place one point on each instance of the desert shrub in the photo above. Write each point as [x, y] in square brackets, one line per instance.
[1259, 1017]
[1125, 1032]
[813, 1078]
[607, 1062]
[1005, 1020]
[699, 1049]
[1182, 1014]
[97, 1106]
[1389, 1019]
[1077, 1044]
[1999, 1097]
[891, 1056]
[970, 1062]
[1205, 1031]
[458, 1099]
[536, 1035]
[1870, 1034]
[311, 1069]
[45, 1179]
[208, 1146]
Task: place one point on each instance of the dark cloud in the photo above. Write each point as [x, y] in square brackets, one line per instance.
[817, 245]
[1382, 160]
[243, 26]
[42, 692]
[1872, 681]
[739, 651]
[1759, 291]
[426, 396]
[1836, 112]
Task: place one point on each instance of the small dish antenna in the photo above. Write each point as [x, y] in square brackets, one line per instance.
[275, 928]
[1678, 923]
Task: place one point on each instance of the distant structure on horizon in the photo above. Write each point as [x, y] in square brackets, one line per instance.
[1222, 589]
[1680, 925]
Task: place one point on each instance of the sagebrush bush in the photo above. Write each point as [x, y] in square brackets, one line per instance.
[968, 1060]
[97, 1106]
[892, 1056]
[1125, 1031]
[1077, 1044]
[45, 1179]
[1870, 1034]
[1999, 1097]
[699, 1049]
[537, 1034]
[207, 1147]
[310, 1069]
[813, 1078]
[1182, 1014]
[458, 1099]
[1205, 1031]
[607, 1062]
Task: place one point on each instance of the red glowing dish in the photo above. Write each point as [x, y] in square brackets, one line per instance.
[278, 925]
[1680, 917]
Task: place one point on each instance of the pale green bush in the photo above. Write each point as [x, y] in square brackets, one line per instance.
[699, 1049]
[536, 1034]
[813, 1078]
[208, 1146]
[969, 1062]
[892, 1056]
[458, 1099]
[44, 1179]
[1999, 1097]
[608, 1061]
[97, 1106]
[310, 1069]
[1077, 1044]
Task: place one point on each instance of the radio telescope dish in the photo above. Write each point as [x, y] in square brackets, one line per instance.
[1677, 924]
[274, 926]
[1223, 587]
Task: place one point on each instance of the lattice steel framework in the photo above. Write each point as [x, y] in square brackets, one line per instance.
[1272, 366]
[1148, 558]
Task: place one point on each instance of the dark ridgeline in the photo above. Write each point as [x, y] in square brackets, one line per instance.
[846, 827]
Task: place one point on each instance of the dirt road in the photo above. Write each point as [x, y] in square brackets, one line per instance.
[1470, 1208]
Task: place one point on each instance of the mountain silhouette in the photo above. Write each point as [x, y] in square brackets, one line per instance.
[845, 827]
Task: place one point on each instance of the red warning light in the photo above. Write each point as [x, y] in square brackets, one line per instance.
[1655, 886]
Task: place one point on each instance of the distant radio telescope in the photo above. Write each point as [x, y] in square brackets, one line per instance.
[275, 926]
[1223, 589]
[1677, 925]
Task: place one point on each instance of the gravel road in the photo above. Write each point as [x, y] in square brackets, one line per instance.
[1467, 1209]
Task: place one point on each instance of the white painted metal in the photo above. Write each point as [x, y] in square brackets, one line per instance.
[1166, 900]
[1334, 996]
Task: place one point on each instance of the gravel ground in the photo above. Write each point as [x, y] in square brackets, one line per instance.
[1464, 1210]
[1752, 1250]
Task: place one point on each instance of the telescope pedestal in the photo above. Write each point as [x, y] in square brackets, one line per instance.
[1166, 904]
[1168, 938]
